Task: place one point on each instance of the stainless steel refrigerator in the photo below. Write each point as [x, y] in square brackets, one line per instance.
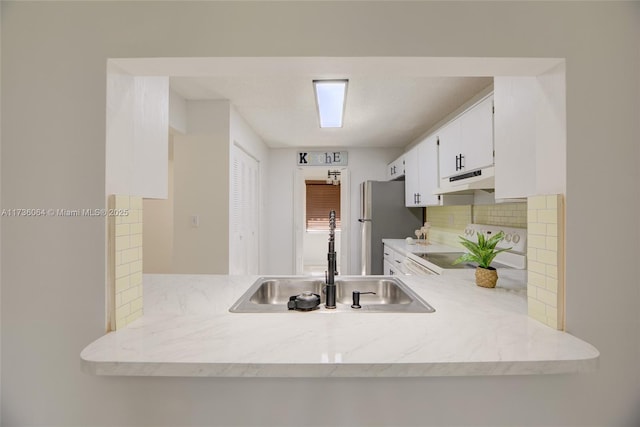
[383, 215]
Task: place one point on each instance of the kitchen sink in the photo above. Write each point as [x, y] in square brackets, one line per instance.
[392, 295]
[276, 291]
[387, 291]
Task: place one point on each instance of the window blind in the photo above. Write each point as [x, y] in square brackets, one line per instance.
[321, 199]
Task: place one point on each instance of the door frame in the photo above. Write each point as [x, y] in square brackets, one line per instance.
[299, 217]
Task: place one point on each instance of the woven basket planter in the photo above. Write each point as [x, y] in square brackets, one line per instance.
[486, 277]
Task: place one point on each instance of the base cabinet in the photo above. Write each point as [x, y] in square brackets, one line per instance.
[392, 262]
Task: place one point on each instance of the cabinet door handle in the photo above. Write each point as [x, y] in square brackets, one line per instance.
[457, 163]
[418, 198]
[461, 159]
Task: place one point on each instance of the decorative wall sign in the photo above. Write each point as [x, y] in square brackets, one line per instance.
[323, 158]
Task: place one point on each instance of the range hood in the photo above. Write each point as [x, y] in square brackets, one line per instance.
[467, 183]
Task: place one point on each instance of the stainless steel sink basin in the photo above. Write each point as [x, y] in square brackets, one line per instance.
[271, 294]
[276, 291]
[387, 291]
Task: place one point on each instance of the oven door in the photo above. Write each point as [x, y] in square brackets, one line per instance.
[413, 267]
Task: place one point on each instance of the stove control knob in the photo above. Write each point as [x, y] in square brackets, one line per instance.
[507, 237]
[516, 238]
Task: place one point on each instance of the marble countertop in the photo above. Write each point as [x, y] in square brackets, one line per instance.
[405, 248]
[187, 330]
[510, 278]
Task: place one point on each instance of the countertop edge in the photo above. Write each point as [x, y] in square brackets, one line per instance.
[191, 313]
[341, 370]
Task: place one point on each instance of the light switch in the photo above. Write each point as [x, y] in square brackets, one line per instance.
[195, 221]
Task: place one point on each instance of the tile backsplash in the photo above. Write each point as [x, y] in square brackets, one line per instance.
[448, 222]
[543, 217]
[125, 260]
[505, 214]
[545, 259]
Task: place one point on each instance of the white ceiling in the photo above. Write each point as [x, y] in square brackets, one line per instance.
[380, 111]
[390, 101]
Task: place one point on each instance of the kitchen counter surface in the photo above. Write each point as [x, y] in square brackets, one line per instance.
[419, 248]
[187, 330]
[509, 278]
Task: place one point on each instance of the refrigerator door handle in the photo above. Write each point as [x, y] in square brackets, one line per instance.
[366, 246]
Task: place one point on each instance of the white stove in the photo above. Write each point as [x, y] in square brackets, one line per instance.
[514, 238]
[439, 262]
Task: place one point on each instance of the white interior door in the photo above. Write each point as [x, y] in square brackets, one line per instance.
[244, 215]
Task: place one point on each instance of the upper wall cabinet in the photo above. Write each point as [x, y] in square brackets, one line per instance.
[396, 169]
[466, 143]
[530, 134]
[421, 174]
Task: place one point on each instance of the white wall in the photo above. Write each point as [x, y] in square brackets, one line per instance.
[177, 112]
[364, 164]
[137, 139]
[53, 154]
[1, 206]
[209, 129]
[201, 188]
[157, 232]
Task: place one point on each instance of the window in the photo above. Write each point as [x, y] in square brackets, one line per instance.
[321, 199]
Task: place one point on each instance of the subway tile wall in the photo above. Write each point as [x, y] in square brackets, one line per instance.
[545, 259]
[506, 214]
[448, 222]
[125, 260]
[543, 216]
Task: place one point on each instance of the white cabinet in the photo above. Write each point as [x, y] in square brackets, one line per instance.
[466, 143]
[396, 169]
[392, 263]
[449, 138]
[530, 135]
[421, 174]
[388, 270]
[412, 177]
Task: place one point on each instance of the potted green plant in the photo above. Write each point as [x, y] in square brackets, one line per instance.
[483, 252]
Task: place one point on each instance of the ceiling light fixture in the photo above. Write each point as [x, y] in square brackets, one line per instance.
[330, 100]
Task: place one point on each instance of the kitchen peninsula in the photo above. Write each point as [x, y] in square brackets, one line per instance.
[187, 330]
